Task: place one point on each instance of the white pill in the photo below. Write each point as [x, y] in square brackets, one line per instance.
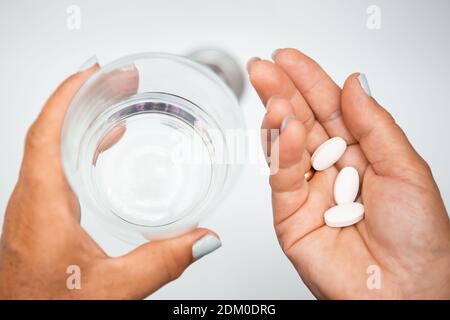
[328, 153]
[346, 185]
[344, 214]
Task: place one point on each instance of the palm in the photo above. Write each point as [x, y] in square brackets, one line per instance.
[334, 262]
[350, 251]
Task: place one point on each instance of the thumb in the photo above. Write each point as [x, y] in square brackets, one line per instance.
[150, 266]
[42, 144]
[50, 119]
[383, 142]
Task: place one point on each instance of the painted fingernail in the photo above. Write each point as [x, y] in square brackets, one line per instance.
[274, 54]
[285, 121]
[251, 61]
[88, 64]
[205, 245]
[128, 68]
[364, 84]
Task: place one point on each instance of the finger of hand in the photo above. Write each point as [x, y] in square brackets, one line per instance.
[152, 265]
[120, 83]
[321, 93]
[50, 120]
[112, 137]
[269, 80]
[383, 142]
[309, 216]
[277, 109]
[289, 188]
[42, 144]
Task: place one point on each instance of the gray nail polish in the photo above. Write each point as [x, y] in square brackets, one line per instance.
[205, 245]
[88, 64]
[364, 84]
[285, 121]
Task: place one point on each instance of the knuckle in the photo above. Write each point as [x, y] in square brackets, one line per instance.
[383, 116]
[426, 166]
[423, 166]
[33, 138]
[286, 246]
[390, 118]
[172, 265]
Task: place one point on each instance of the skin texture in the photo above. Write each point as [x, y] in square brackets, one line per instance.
[42, 235]
[406, 230]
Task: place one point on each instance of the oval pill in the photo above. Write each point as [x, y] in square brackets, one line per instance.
[328, 153]
[344, 215]
[346, 185]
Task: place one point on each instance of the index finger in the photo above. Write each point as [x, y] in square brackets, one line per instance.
[43, 138]
[321, 93]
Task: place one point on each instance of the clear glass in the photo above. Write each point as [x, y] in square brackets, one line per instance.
[144, 144]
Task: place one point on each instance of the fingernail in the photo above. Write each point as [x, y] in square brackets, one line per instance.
[128, 68]
[364, 84]
[205, 245]
[88, 64]
[251, 61]
[274, 54]
[285, 121]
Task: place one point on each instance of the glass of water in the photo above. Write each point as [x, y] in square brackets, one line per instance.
[145, 147]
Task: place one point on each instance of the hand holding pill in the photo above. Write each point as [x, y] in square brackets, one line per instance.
[351, 193]
[372, 200]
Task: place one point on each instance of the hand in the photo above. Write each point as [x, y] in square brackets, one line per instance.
[42, 235]
[406, 230]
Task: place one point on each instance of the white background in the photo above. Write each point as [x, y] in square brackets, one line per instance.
[406, 62]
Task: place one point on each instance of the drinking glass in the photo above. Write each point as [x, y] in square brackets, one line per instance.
[144, 144]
